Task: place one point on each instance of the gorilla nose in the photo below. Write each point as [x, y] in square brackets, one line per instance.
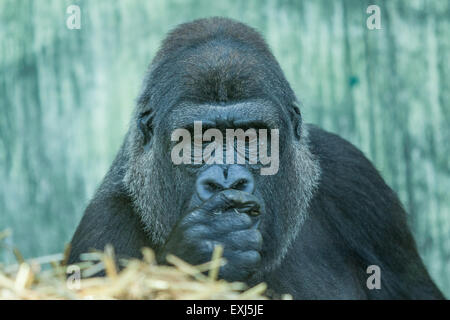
[216, 178]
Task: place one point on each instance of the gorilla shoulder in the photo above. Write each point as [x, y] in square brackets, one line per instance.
[355, 212]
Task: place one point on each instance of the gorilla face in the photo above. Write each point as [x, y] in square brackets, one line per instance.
[201, 205]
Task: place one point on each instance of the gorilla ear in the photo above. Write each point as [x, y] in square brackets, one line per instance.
[145, 125]
[296, 120]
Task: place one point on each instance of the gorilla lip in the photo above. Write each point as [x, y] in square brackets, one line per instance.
[235, 147]
[250, 208]
[250, 212]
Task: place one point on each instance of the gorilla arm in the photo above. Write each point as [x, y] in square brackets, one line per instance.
[110, 219]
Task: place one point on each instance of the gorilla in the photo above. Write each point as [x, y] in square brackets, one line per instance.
[312, 229]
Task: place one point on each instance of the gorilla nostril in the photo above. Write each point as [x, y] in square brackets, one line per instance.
[240, 184]
[240, 178]
[207, 188]
[243, 184]
[213, 187]
[214, 180]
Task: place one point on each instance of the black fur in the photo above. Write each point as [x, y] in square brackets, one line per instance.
[110, 219]
[355, 221]
[322, 219]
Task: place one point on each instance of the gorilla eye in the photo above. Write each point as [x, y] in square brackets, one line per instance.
[145, 124]
[213, 187]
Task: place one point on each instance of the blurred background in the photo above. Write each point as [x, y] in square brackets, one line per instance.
[66, 97]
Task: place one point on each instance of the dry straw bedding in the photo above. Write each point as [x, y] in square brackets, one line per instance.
[136, 279]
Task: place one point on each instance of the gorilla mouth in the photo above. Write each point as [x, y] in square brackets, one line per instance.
[250, 208]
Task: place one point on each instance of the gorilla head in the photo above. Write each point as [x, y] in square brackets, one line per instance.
[324, 212]
[227, 79]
